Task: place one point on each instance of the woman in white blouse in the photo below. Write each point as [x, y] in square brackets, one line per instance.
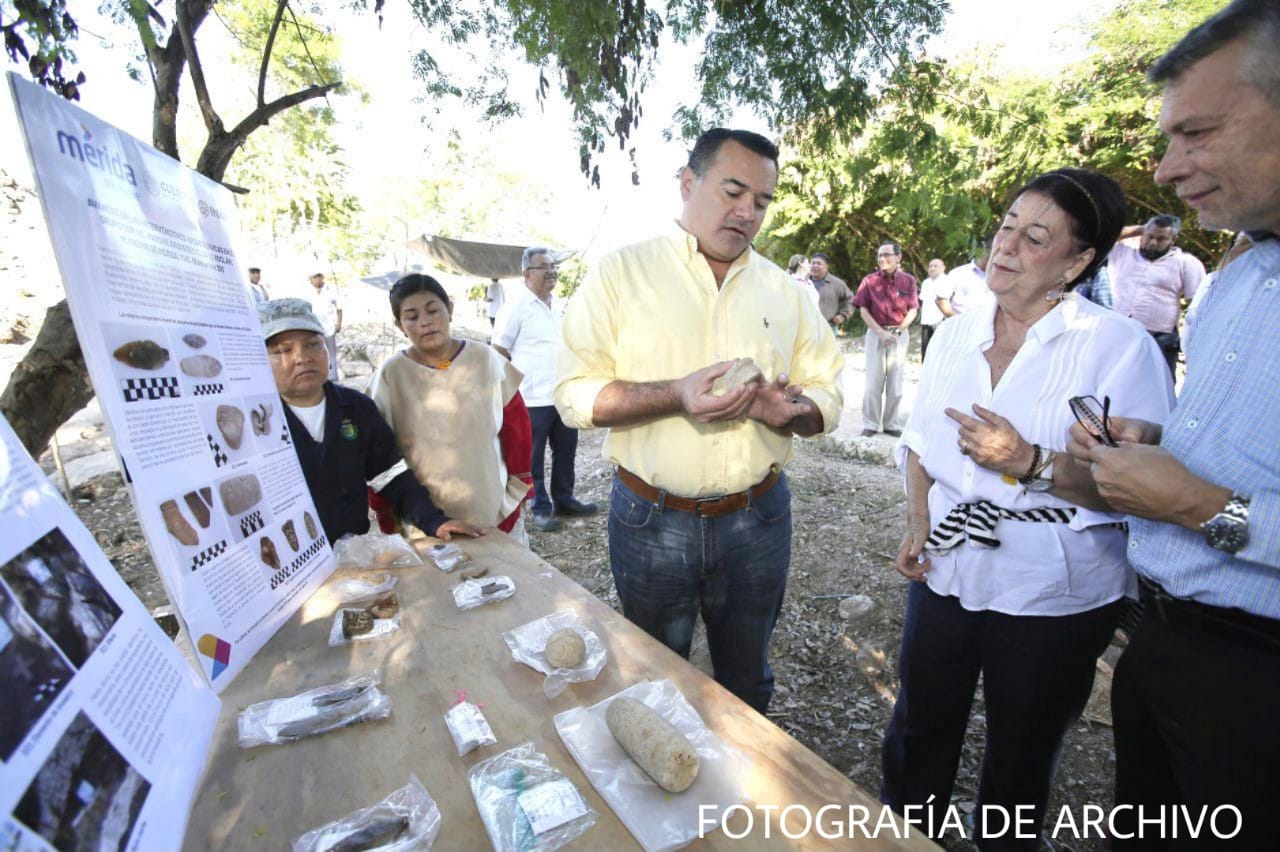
[1017, 574]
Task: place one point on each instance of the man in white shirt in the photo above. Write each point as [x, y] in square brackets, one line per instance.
[930, 315]
[256, 288]
[965, 287]
[494, 297]
[527, 332]
[324, 304]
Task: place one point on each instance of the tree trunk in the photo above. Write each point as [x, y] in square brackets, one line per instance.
[49, 385]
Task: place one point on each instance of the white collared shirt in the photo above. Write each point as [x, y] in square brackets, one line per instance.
[1077, 349]
[965, 287]
[529, 329]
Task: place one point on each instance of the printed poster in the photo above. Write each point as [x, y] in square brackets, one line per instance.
[104, 727]
[176, 357]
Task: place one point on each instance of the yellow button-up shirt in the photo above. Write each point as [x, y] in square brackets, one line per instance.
[651, 312]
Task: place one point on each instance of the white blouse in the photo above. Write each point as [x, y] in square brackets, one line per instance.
[1077, 349]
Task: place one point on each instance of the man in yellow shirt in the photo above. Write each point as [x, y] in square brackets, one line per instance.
[700, 514]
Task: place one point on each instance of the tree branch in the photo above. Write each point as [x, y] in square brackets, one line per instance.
[185, 31]
[266, 52]
[217, 154]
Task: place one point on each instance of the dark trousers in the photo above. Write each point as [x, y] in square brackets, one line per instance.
[1196, 724]
[670, 565]
[926, 334]
[1037, 672]
[1170, 343]
[548, 427]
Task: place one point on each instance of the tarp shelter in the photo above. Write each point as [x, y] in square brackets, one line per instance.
[480, 260]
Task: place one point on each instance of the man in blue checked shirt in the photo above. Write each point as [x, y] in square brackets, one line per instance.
[1197, 692]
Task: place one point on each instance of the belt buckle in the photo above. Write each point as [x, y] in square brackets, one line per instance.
[701, 501]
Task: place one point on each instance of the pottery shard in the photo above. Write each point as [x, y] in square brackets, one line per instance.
[177, 525]
[201, 366]
[385, 607]
[290, 534]
[142, 354]
[198, 508]
[269, 556]
[310, 523]
[231, 425]
[743, 371]
[206, 494]
[356, 622]
[240, 493]
[195, 341]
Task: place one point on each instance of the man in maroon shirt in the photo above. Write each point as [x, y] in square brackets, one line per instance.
[888, 301]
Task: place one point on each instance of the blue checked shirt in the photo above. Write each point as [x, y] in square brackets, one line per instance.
[1226, 429]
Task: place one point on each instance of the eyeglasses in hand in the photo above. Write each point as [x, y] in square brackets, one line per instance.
[1094, 416]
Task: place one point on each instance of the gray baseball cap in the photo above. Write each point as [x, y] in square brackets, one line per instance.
[279, 315]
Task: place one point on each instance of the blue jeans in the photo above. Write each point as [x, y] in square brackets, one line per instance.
[548, 427]
[669, 566]
[1037, 672]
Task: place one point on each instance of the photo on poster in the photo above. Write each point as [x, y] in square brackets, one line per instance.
[199, 362]
[86, 795]
[228, 431]
[33, 672]
[196, 526]
[247, 512]
[266, 421]
[142, 362]
[270, 557]
[57, 589]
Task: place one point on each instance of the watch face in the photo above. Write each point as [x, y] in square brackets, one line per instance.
[1226, 534]
[1039, 486]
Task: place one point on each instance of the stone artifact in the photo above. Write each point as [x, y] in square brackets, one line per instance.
[565, 649]
[201, 366]
[240, 493]
[385, 607]
[356, 622]
[268, 551]
[653, 743]
[198, 507]
[195, 341]
[231, 424]
[743, 371]
[177, 525]
[142, 354]
[290, 534]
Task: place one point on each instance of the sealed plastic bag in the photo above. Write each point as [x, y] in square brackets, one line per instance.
[470, 594]
[528, 645]
[375, 550]
[468, 727]
[352, 624]
[448, 556]
[315, 711]
[358, 590]
[657, 819]
[527, 804]
[407, 819]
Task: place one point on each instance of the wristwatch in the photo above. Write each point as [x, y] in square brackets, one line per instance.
[1042, 478]
[1228, 530]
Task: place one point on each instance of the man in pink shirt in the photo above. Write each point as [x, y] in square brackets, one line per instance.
[888, 300]
[1149, 280]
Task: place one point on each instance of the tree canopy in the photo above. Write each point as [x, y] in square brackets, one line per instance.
[949, 141]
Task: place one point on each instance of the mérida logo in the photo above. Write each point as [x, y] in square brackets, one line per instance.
[99, 157]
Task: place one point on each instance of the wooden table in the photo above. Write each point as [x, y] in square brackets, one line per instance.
[263, 798]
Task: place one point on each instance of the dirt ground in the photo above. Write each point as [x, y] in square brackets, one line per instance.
[836, 677]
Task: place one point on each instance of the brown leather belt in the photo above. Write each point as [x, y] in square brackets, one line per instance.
[704, 507]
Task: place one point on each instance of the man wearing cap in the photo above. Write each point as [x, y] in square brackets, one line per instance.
[342, 442]
[325, 306]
